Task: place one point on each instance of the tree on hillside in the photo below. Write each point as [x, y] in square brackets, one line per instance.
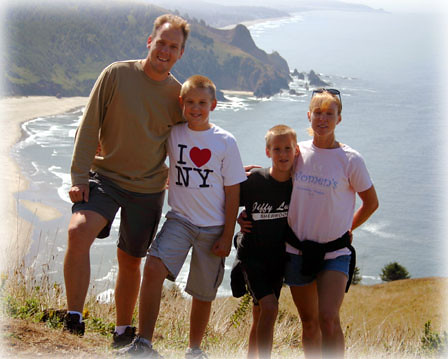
[394, 271]
[357, 278]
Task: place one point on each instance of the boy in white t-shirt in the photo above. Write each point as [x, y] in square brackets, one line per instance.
[204, 177]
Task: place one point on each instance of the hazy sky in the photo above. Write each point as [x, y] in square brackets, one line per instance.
[405, 5]
[414, 6]
[389, 5]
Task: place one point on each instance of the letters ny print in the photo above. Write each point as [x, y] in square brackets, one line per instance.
[199, 157]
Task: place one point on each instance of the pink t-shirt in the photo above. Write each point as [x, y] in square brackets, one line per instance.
[325, 183]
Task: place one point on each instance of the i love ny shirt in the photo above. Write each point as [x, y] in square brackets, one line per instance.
[201, 163]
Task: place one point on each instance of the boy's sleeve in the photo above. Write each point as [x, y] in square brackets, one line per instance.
[243, 191]
[232, 168]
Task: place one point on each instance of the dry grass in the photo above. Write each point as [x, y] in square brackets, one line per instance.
[380, 321]
[387, 320]
[25, 339]
[390, 317]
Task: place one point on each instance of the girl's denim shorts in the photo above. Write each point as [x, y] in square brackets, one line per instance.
[294, 276]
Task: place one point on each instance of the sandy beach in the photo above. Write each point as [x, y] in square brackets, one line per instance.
[15, 232]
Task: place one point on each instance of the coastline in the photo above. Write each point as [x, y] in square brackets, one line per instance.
[254, 22]
[237, 92]
[15, 239]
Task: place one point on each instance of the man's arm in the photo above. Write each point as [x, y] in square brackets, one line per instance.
[223, 245]
[86, 139]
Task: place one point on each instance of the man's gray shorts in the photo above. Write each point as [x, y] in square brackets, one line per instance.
[172, 245]
[140, 213]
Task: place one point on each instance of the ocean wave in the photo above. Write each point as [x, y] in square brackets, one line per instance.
[35, 167]
[72, 133]
[66, 182]
[106, 297]
[235, 103]
[371, 277]
[377, 229]
[111, 276]
[259, 28]
[104, 243]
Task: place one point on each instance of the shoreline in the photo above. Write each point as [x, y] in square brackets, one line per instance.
[237, 92]
[16, 232]
[255, 22]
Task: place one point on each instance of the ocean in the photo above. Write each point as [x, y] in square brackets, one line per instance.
[389, 70]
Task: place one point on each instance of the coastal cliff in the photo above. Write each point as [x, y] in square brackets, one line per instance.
[60, 50]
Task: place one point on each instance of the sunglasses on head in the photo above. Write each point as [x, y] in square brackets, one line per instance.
[331, 91]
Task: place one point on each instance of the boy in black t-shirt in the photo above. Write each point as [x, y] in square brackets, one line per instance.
[260, 253]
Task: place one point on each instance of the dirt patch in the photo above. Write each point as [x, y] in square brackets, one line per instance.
[24, 339]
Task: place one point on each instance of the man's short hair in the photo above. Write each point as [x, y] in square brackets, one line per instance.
[176, 21]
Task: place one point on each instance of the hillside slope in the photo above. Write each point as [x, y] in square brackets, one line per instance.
[61, 49]
[379, 321]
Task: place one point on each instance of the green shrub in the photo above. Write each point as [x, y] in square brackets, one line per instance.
[240, 312]
[394, 271]
[100, 326]
[22, 310]
[433, 342]
[357, 278]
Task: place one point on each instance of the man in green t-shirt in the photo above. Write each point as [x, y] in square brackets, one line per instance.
[130, 111]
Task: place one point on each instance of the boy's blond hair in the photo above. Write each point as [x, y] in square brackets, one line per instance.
[324, 99]
[279, 130]
[176, 21]
[198, 81]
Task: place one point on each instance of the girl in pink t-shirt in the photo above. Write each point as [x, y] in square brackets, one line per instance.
[326, 179]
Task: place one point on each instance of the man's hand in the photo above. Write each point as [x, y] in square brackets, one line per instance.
[245, 225]
[222, 247]
[79, 193]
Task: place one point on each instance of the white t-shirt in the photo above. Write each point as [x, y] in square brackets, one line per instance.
[325, 184]
[201, 164]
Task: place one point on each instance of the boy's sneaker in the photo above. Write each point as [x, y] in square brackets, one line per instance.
[121, 340]
[139, 348]
[72, 324]
[195, 353]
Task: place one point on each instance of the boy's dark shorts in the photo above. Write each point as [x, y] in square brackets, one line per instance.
[140, 213]
[263, 278]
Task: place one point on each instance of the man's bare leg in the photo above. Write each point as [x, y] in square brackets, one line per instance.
[127, 286]
[83, 228]
[154, 275]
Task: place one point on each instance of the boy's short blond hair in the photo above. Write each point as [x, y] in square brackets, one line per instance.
[279, 130]
[198, 81]
[324, 99]
[176, 21]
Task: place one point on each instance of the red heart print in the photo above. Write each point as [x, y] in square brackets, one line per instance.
[200, 157]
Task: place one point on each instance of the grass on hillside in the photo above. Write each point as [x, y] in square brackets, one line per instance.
[401, 319]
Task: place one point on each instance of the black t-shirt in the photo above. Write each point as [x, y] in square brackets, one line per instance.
[266, 202]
